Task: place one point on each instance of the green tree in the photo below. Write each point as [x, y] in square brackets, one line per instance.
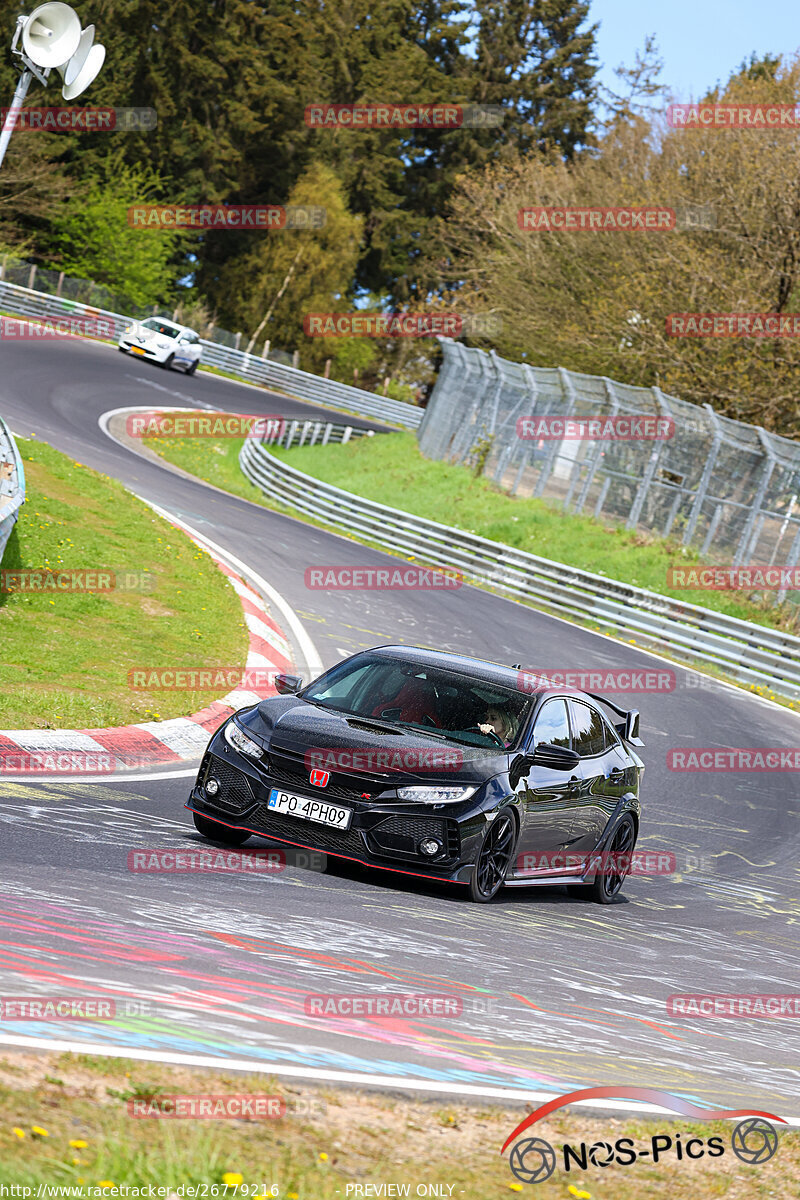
[92, 238]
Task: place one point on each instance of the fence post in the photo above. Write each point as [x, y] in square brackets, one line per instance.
[32, 276]
[650, 469]
[745, 548]
[705, 478]
[296, 359]
[60, 283]
[265, 351]
[238, 340]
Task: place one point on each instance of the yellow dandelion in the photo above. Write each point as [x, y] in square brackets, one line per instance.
[232, 1179]
[323, 1157]
[515, 1187]
[78, 1144]
[37, 1129]
[17, 1132]
[76, 1162]
[292, 1196]
[578, 1194]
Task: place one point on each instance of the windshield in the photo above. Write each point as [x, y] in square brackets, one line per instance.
[160, 327]
[441, 702]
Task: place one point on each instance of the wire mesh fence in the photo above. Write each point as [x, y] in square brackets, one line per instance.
[728, 489]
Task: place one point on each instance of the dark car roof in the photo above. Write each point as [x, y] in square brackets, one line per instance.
[478, 668]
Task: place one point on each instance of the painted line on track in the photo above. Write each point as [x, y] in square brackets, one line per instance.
[323, 1075]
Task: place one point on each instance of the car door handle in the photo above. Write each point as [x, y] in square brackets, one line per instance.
[574, 786]
[615, 773]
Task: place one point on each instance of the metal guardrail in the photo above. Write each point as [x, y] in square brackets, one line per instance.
[750, 653]
[312, 433]
[329, 393]
[12, 485]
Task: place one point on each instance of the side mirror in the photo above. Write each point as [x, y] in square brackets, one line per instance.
[558, 758]
[288, 685]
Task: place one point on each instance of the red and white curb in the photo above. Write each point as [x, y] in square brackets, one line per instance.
[153, 743]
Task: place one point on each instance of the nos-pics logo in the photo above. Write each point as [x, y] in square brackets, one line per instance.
[532, 1160]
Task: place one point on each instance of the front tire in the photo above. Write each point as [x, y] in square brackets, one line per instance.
[167, 363]
[219, 833]
[493, 858]
[191, 370]
[608, 883]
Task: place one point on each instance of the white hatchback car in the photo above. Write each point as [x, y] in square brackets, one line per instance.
[163, 342]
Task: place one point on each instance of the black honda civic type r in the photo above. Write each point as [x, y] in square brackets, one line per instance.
[436, 765]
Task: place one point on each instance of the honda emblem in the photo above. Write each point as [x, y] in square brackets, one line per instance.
[319, 778]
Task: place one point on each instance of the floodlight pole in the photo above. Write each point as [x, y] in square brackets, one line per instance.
[25, 81]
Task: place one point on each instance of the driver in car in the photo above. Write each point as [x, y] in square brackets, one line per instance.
[500, 721]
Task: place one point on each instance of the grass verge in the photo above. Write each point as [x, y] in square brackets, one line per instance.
[329, 1143]
[67, 655]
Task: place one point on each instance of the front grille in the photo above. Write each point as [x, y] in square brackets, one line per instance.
[235, 791]
[309, 833]
[289, 768]
[402, 835]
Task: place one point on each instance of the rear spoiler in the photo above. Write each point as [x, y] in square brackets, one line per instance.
[628, 727]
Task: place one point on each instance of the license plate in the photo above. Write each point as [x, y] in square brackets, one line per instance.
[136, 350]
[309, 810]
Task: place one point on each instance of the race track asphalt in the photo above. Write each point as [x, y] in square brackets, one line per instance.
[557, 993]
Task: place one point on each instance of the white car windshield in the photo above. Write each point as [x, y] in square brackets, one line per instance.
[161, 327]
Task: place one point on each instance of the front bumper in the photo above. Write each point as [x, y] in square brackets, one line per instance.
[138, 351]
[382, 833]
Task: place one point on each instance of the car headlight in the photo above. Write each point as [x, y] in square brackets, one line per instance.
[237, 738]
[435, 795]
